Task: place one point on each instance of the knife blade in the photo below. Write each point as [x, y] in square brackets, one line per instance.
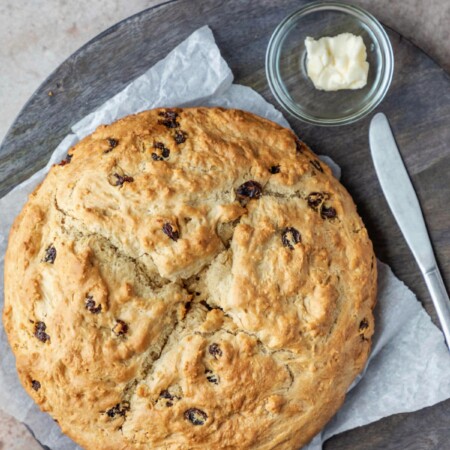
[405, 207]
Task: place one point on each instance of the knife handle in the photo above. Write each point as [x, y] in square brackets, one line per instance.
[440, 299]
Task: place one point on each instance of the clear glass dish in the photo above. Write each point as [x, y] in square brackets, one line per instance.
[286, 64]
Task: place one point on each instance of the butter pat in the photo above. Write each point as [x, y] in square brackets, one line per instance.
[335, 63]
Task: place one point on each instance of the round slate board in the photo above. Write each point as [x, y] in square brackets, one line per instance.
[418, 106]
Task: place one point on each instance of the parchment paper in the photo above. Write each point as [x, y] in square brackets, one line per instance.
[409, 365]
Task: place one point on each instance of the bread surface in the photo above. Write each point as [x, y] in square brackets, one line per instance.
[189, 279]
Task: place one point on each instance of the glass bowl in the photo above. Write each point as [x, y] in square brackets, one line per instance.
[286, 64]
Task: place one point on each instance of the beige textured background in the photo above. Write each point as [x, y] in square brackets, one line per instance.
[36, 36]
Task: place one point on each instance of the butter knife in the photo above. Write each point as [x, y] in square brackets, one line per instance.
[405, 207]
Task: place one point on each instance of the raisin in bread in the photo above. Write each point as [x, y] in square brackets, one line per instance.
[189, 279]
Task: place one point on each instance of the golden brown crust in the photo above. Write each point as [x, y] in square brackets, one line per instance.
[191, 278]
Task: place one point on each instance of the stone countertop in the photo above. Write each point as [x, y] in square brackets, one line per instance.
[37, 36]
